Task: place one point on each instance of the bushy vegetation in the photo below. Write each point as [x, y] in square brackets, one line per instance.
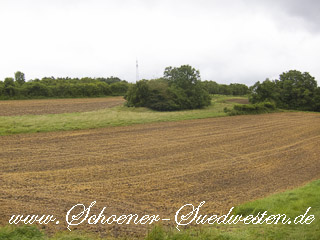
[52, 87]
[257, 108]
[21, 233]
[235, 89]
[163, 94]
[179, 89]
[29, 232]
[294, 90]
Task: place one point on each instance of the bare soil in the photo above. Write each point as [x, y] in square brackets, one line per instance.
[54, 106]
[157, 168]
[239, 100]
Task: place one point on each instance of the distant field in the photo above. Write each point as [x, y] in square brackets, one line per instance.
[156, 168]
[81, 114]
[54, 106]
[239, 100]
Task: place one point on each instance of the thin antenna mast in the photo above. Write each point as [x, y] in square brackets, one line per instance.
[137, 71]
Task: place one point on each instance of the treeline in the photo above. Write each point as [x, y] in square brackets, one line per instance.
[235, 89]
[180, 88]
[50, 87]
[293, 90]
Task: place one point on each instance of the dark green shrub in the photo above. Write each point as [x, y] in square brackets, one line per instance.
[293, 90]
[257, 108]
[119, 88]
[180, 89]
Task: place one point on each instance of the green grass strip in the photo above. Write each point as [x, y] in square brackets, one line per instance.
[117, 116]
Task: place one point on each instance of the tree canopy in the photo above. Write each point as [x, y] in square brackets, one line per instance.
[19, 77]
[50, 87]
[293, 90]
[180, 88]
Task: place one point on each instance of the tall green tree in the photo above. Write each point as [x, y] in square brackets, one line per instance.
[138, 94]
[9, 89]
[185, 85]
[19, 77]
[265, 91]
[297, 90]
[179, 89]
[317, 100]
[293, 90]
[184, 77]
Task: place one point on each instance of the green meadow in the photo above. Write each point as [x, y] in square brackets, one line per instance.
[117, 116]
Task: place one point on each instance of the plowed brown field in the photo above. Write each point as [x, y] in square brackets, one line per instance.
[239, 100]
[53, 106]
[157, 168]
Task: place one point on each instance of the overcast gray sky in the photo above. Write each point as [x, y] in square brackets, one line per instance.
[229, 41]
